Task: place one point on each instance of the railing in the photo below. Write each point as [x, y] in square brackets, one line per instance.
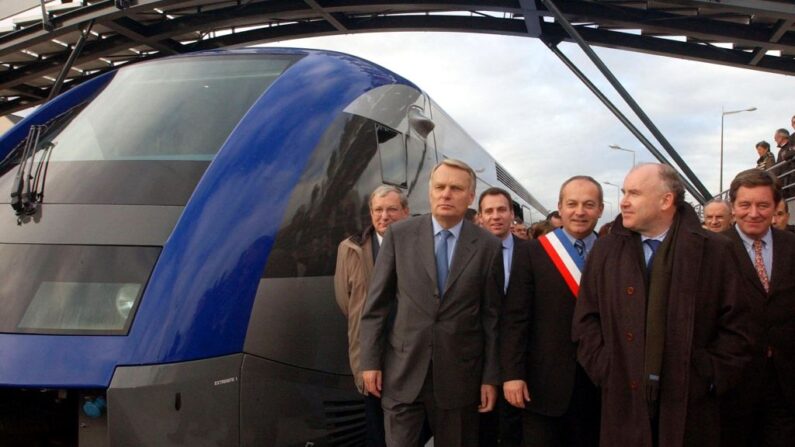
[784, 171]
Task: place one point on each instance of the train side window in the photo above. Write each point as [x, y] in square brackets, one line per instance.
[392, 151]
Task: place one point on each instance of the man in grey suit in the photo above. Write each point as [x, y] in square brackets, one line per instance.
[429, 327]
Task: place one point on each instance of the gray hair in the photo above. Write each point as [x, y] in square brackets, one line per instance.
[383, 190]
[458, 164]
[720, 201]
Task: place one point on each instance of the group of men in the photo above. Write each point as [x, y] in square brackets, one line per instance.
[658, 334]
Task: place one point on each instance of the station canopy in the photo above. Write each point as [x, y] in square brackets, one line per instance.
[35, 46]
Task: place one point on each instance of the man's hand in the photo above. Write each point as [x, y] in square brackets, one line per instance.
[516, 393]
[488, 397]
[372, 382]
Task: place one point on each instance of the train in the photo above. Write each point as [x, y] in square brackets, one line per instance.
[168, 243]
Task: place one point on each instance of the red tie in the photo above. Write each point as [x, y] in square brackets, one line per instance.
[759, 263]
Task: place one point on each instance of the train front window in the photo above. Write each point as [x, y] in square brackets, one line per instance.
[92, 290]
[149, 135]
[182, 109]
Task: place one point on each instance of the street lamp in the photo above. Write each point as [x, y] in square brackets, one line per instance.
[723, 113]
[618, 192]
[611, 207]
[619, 148]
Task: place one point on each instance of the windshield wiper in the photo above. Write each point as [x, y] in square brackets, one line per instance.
[22, 198]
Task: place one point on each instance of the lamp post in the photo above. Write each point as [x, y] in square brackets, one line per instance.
[723, 114]
[611, 208]
[618, 193]
[619, 148]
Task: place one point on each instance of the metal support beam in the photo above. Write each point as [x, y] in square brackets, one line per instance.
[56, 88]
[137, 33]
[531, 17]
[46, 22]
[571, 31]
[327, 16]
[553, 46]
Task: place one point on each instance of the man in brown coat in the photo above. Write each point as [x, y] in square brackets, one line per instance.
[660, 319]
[355, 258]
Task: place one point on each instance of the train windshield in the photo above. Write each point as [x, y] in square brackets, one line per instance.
[150, 134]
[63, 289]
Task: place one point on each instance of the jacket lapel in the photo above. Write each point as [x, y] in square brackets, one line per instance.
[426, 246]
[777, 271]
[464, 249]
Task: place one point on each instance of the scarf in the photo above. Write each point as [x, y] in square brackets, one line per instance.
[656, 313]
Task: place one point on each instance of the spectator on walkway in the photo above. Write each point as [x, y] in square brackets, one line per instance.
[717, 216]
[766, 159]
[661, 319]
[785, 152]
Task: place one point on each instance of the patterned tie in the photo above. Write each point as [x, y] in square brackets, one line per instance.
[441, 262]
[654, 245]
[580, 246]
[759, 264]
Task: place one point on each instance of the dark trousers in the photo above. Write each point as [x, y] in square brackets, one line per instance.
[374, 420]
[404, 422]
[756, 413]
[577, 427]
[502, 426]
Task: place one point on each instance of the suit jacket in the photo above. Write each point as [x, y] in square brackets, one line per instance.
[455, 335]
[351, 279]
[535, 333]
[773, 314]
[707, 343]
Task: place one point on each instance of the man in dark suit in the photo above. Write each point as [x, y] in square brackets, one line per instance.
[761, 411]
[538, 358]
[503, 426]
[439, 276]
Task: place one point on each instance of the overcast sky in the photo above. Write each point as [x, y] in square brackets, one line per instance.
[539, 121]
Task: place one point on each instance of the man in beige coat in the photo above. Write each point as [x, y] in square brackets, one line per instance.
[355, 258]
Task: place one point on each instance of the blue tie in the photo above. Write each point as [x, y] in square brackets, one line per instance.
[654, 245]
[580, 246]
[441, 262]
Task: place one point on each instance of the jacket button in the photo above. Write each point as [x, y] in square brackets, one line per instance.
[630, 290]
[633, 384]
[630, 336]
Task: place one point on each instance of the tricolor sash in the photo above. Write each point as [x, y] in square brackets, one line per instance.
[565, 258]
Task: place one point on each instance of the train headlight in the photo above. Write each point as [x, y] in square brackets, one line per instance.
[125, 299]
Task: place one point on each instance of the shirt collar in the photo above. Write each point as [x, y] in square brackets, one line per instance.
[379, 238]
[508, 242]
[660, 237]
[766, 239]
[588, 240]
[455, 229]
